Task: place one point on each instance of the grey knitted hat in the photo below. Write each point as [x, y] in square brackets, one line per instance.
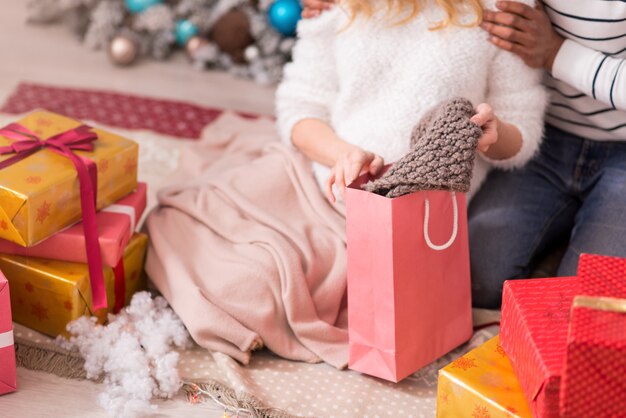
[443, 149]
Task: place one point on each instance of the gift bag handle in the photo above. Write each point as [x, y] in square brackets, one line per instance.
[455, 228]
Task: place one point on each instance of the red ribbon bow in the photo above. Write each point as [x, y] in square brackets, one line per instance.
[65, 143]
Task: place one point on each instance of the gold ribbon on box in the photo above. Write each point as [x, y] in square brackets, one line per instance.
[601, 303]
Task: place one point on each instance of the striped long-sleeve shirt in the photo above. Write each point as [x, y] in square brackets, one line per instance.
[588, 82]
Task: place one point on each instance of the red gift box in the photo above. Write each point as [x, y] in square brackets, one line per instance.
[7, 350]
[533, 333]
[116, 225]
[594, 377]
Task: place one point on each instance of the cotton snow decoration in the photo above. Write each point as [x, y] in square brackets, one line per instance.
[134, 353]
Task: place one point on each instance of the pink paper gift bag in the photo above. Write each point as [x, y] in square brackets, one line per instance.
[116, 225]
[409, 298]
[7, 350]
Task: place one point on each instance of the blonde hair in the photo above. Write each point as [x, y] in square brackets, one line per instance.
[454, 10]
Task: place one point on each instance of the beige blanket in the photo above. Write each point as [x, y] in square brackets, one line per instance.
[247, 250]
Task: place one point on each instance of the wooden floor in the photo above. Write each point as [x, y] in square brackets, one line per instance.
[51, 55]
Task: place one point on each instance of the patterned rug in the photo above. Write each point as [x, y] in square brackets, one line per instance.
[273, 387]
[168, 117]
[269, 386]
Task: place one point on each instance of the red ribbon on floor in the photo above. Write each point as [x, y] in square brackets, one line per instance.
[77, 139]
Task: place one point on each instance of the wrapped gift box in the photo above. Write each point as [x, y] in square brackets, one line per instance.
[533, 333]
[47, 294]
[116, 225]
[481, 384]
[8, 381]
[594, 377]
[40, 194]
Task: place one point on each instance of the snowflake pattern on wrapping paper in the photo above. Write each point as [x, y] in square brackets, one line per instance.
[29, 287]
[130, 166]
[464, 363]
[43, 212]
[4, 225]
[43, 122]
[68, 305]
[33, 179]
[39, 311]
[103, 166]
[500, 351]
[480, 412]
[512, 410]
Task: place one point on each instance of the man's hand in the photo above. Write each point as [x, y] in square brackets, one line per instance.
[313, 8]
[525, 31]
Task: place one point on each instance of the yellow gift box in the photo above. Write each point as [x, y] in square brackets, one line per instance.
[481, 384]
[47, 294]
[40, 194]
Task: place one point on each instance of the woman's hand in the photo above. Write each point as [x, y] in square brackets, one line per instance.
[313, 8]
[317, 140]
[487, 120]
[349, 166]
[525, 31]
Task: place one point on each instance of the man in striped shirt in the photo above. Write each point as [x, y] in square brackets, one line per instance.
[574, 191]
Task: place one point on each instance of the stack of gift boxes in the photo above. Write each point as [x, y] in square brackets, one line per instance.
[60, 258]
[561, 351]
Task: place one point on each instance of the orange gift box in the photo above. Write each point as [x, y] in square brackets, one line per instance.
[47, 294]
[40, 194]
[481, 384]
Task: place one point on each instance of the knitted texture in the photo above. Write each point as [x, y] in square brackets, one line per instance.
[443, 150]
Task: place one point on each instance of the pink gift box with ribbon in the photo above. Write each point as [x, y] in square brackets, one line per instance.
[7, 350]
[116, 225]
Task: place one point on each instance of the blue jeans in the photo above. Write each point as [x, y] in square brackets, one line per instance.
[573, 190]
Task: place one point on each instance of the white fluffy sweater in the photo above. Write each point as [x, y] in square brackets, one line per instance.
[373, 81]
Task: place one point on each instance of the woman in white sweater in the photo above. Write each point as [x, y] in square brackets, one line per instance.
[364, 73]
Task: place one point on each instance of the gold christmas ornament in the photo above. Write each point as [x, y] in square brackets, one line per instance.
[123, 50]
[194, 44]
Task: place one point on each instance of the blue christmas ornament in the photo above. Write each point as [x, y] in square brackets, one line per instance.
[138, 6]
[185, 30]
[284, 16]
